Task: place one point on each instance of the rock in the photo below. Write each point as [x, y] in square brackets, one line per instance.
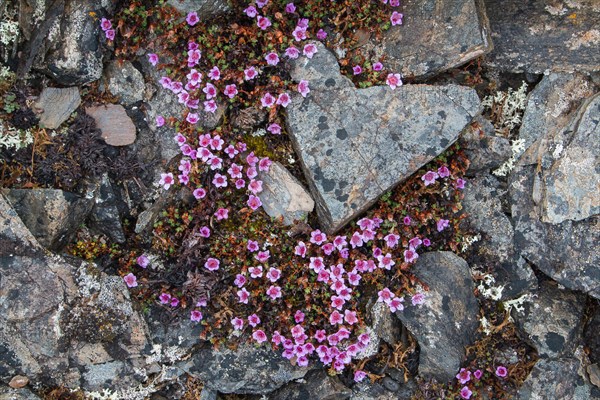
[17, 394]
[484, 149]
[283, 195]
[447, 322]
[553, 195]
[204, 8]
[116, 126]
[317, 385]
[436, 36]
[228, 371]
[552, 104]
[591, 337]
[538, 36]
[125, 81]
[208, 394]
[105, 217]
[552, 320]
[383, 324]
[390, 384]
[483, 207]
[56, 106]
[371, 391]
[555, 379]
[74, 56]
[53, 216]
[593, 371]
[18, 382]
[356, 144]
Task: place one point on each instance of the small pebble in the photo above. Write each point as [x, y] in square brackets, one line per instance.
[18, 382]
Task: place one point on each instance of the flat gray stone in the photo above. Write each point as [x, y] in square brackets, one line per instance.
[204, 8]
[7, 393]
[556, 180]
[283, 195]
[356, 144]
[125, 81]
[56, 105]
[537, 36]
[436, 35]
[116, 126]
[447, 322]
[316, 385]
[485, 150]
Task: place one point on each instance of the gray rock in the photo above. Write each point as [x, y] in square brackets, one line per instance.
[390, 384]
[56, 106]
[593, 371]
[537, 36]
[228, 371]
[447, 322]
[552, 320]
[53, 216]
[105, 217]
[204, 8]
[116, 126]
[485, 150]
[7, 393]
[356, 144]
[436, 36]
[483, 206]
[125, 81]
[555, 379]
[554, 181]
[283, 195]
[371, 391]
[317, 385]
[552, 104]
[74, 56]
[208, 394]
[383, 324]
[591, 337]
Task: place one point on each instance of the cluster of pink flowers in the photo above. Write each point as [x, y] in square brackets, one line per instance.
[106, 26]
[464, 377]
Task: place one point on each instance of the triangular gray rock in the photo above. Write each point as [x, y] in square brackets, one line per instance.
[56, 106]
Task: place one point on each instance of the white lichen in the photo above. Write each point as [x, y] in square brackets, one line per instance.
[468, 242]
[11, 138]
[259, 133]
[486, 288]
[507, 108]
[517, 147]
[486, 327]
[9, 31]
[517, 304]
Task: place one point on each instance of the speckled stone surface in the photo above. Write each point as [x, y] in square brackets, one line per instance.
[355, 144]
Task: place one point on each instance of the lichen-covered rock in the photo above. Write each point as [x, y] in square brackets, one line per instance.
[436, 36]
[125, 81]
[552, 320]
[483, 207]
[53, 216]
[283, 195]
[247, 370]
[7, 393]
[116, 126]
[56, 105]
[356, 144]
[485, 150]
[538, 36]
[317, 385]
[204, 8]
[447, 322]
[105, 217]
[371, 391]
[554, 202]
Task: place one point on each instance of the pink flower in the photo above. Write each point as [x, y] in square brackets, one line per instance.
[222, 213]
[359, 375]
[174, 302]
[302, 361]
[274, 274]
[255, 186]
[193, 57]
[192, 18]
[317, 237]
[292, 53]
[275, 129]
[320, 335]
[396, 304]
[426, 242]
[237, 323]
[394, 80]
[261, 3]
[478, 374]
[460, 183]
[240, 280]
[418, 299]
[231, 151]
[263, 256]
[394, 3]
[465, 393]
[250, 73]
[336, 318]
[321, 34]
[300, 249]
[251, 11]
[153, 59]
[303, 88]
[143, 261]
[199, 193]
[260, 336]
[290, 8]
[299, 317]
[410, 255]
[429, 177]
[443, 171]
[219, 180]
[377, 66]
[501, 371]
[385, 295]
[160, 121]
[264, 164]
[386, 262]
[105, 24]
[210, 90]
[357, 70]
[299, 33]
[165, 298]
[274, 292]
[254, 202]
[110, 34]
[350, 317]
[263, 22]
[284, 99]
[230, 91]
[252, 246]
[328, 248]
[463, 376]
[130, 280]
[414, 243]
[166, 180]
[256, 272]
[253, 320]
[205, 232]
[310, 50]
[214, 73]
[196, 316]
[337, 302]
[210, 106]
[356, 240]
[364, 338]
[212, 264]
[192, 118]
[407, 220]
[442, 224]
[396, 18]
[243, 294]
[391, 240]
[268, 100]
[272, 58]
[240, 183]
